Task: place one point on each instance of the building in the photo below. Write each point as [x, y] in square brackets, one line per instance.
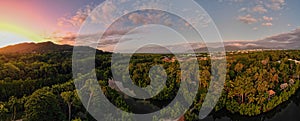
[296, 61]
[284, 86]
[291, 81]
[271, 93]
[167, 59]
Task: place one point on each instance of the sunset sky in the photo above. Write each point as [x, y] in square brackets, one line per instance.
[58, 20]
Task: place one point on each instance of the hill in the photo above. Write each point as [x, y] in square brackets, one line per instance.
[44, 47]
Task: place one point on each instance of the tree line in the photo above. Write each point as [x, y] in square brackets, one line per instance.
[40, 86]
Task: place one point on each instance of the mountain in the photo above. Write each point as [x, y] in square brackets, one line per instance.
[44, 47]
[233, 48]
[289, 40]
[35, 48]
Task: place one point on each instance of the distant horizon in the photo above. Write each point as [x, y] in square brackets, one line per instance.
[149, 60]
[237, 43]
[60, 22]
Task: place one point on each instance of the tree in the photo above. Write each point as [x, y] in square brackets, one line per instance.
[68, 98]
[238, 67]
[42, 105]
[13, 102]
[3, 112]
[77, 119]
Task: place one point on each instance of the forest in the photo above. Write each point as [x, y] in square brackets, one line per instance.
[40, 86]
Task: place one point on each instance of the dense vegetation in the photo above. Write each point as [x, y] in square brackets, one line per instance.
[40, 85]
[249, 79]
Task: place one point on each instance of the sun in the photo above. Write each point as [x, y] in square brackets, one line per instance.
[10, 34]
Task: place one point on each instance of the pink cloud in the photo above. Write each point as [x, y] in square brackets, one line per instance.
[248, 19]
[75, 20]
[267, 18]
[276, 4]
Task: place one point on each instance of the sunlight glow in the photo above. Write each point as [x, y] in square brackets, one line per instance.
[10, 28]
[7, 38]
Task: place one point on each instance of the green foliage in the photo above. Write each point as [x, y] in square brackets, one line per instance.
[24, 79]
[3, 112]
[43, 105]
[68, 97]
[247, 86]
[22, 74]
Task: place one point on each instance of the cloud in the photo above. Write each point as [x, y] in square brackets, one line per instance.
[265, 18]
[147, 17]
[248, 19]
[68, 38]
[278, 1]
[105, 15]
[123, 1]
[109, 38]
[267, 24]
[254, 28]
[108, 10]
[289, 40]
[235, 44]
[137, 18]
[251, 44]
[231, 1]
[292, 36]
[276, 4]
[243, 9]
[260, 9]
[77, 19]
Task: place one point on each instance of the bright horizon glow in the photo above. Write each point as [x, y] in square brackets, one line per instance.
[8, 38]
[4, 27]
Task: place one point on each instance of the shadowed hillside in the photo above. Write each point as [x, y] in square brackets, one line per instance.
[44, 47]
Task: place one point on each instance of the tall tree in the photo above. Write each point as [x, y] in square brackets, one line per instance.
[13, 102]
[42, 105]
[68, 98]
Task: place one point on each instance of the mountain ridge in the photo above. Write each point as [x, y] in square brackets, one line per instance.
[43, 47]
[289, 40]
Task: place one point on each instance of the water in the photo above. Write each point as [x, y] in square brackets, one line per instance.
[287, 111]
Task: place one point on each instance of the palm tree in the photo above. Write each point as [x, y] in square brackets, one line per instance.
[13, 106]
[68, 98]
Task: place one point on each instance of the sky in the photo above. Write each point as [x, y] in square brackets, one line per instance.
[59, 21]
[253, 19]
